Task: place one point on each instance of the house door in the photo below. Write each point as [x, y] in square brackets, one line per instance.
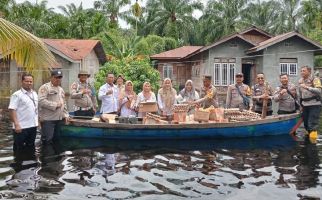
[247, 71]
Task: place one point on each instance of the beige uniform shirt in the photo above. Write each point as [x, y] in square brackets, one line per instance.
[83, 100]
[209, 101]
[314, 90]
[258, 90]
[234, 99]
[49, 97]
[285, 102]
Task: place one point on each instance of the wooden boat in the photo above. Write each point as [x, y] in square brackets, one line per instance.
[275, 125]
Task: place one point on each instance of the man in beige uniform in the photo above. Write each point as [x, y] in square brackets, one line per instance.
[239, 94]
[84, 95]
[286, 96]
[208, 92]
[310, 98]
[52, 107]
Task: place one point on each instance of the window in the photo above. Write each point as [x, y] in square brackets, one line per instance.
[195, 70]
[224, 74]
[167, 71]
[288, 66]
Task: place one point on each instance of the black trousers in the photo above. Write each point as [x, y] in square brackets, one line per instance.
[283, 112]
[89, 113]
[268, 113]
[25, 138]
[311, 117]
[50, 130]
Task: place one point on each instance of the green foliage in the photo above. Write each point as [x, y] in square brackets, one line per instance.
[316, 35]
[169, 43]
[135, 69]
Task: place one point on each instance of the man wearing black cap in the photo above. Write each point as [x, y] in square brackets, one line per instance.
[239, 94]
[52, 107]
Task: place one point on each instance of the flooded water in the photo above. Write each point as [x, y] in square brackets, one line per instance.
[262, 168]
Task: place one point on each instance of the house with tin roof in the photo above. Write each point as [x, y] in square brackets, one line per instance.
[250, 51]
[71, 55]
[74, 55]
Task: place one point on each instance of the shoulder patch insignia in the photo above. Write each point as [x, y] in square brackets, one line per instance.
[74, 86]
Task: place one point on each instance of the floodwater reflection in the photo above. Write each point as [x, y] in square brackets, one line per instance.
[260, 168]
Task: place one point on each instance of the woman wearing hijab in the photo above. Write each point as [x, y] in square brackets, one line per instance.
[127, 100]
[188, 94]
[166, 97]
[145, 96]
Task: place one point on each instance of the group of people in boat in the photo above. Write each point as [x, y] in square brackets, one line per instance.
[117, 96]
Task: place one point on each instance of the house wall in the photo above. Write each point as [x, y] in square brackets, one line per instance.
[272, 55]
[224, 50]
[91, 64]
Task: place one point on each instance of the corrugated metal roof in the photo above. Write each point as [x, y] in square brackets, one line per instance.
[177, 53]
[77, 49]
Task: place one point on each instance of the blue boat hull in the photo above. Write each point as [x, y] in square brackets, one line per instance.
[273, 127]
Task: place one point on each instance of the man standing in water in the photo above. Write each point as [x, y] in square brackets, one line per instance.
[23, 109]
[310, 98]
[52, 107]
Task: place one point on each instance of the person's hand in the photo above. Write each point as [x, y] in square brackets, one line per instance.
[18, 128]
[110, 91]
[304, 86]
[59, 104]
[284, 91]
[67, 120]
[264, 96]
[86, 91]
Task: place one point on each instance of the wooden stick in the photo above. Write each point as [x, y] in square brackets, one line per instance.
[265, 100]
[297, 125]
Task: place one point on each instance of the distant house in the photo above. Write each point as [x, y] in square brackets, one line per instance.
[75, 55]
[71, 56]
[250, 51]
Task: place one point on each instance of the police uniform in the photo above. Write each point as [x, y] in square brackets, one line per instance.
[51, 116]
[235, 100]
[286, 103]
[85, 104]
[258, 90]
[311, 103]
[25, 104]
[213, 101]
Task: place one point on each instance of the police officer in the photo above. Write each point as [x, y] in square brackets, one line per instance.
[52, 107]
[261, 91]
[310, 91]
[84, 95]
[286, 96]
[208, 93]
[239, 94]
[23, 109]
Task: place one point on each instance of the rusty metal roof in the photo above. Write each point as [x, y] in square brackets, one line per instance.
[176, 54]
[77, 49]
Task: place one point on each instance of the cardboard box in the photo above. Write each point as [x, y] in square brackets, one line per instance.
[148, 107]
[180, 116]
[201, 116]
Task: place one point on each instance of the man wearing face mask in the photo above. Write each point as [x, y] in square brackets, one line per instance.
[286, 96]
[52, 107]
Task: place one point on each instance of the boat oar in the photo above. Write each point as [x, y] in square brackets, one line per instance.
[297, 125]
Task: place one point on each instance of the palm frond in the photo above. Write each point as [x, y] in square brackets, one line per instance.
[26, 49]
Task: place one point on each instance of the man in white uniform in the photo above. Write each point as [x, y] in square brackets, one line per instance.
[108, 94]
[23, 109]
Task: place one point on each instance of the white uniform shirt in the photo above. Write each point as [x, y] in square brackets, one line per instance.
[26, 106]
[109, 102]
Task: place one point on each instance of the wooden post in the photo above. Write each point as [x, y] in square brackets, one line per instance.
[265, 100]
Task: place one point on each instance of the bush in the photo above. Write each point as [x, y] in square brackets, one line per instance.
[136, 69]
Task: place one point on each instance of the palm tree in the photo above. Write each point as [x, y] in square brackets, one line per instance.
[312, 15]
[112, 9]
[221, 18]
[262, 14]
[172, 18]
[23, 47]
